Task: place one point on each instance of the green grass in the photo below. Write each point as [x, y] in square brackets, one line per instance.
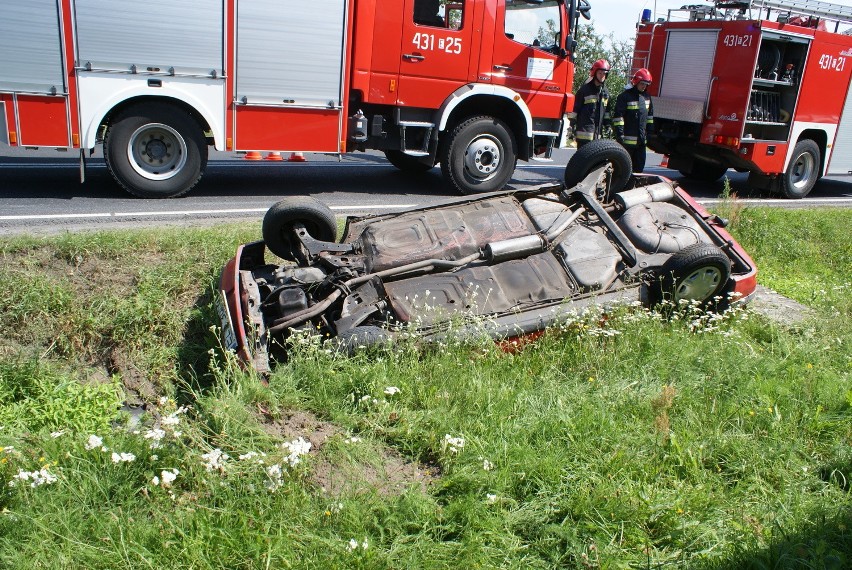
[630, 442]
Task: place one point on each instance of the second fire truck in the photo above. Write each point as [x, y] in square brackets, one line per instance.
[473, 85]
[759, 86]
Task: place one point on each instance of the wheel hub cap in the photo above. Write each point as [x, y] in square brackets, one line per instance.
[802, 170]
[156, 151]
[698, 285]
[482, 158]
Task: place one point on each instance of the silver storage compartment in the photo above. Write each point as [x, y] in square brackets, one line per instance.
[184, 37]
[31, 47]
[290, 52]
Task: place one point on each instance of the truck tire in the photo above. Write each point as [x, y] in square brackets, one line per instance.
[697, 273]
[278, 223]
[408, 163]
[705, 171]
[479, 155]
[594, 155]
[803, 171]
[155, 151]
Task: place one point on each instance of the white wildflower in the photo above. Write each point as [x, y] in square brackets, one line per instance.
[490, 498]
[35, 478]
[487, 465]
[275, 474]
[247, 456]
[156, 435]
[166, 478]
[56, 434]
[296, 449]
[94, 442]
[215, 460]
[353, 545]
[391, 390]
[353, 439]
[122, 457]
[454, 444]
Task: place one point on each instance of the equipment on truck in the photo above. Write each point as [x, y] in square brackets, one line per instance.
[759, 86]
[473, 85]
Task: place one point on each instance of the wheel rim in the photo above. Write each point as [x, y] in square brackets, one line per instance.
[699, 285]
[482, 158]
[156, 151]
[802, 171]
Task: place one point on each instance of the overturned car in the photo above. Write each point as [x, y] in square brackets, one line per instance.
[520, 260]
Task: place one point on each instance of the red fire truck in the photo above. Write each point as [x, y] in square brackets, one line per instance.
[759, 86]
[473, 85]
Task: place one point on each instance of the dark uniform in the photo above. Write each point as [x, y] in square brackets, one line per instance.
[590, 106]
[633, 121]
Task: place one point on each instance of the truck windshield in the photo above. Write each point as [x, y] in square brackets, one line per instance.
[537, 25]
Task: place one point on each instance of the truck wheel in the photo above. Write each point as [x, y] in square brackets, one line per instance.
[479, 156]
[696, 273]
[155, 151]
[594, 155]
[406, 162]
[803, 171]
[705, 171]
[279, 220]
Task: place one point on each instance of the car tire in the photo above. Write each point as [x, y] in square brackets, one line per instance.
[279, 220]
[697, 273]
[361, 337]
[408, 163]
[479, 156]
[705, 171]
[155, 151]
[594, 155]
[803, 171]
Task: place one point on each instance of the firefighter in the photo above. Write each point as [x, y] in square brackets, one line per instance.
[590, 104]
[633, 118]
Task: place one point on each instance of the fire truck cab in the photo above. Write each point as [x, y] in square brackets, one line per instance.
[473, 85]
[759, 86]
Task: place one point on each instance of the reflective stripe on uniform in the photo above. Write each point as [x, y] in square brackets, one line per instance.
[634, 105]
[618, 122]
[650, 120]
[590, 99]
[630, 140]
[584, 136]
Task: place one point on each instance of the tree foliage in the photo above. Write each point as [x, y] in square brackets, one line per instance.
[591, 47]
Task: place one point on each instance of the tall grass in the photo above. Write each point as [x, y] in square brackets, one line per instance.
[617, 441]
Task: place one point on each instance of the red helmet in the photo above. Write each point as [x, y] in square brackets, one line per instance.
[642, 75]
[599, 64]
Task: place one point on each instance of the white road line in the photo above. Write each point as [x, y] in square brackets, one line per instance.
[151, 214]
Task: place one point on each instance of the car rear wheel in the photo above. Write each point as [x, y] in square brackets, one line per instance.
[280, 219]
[697, 273]
[479, 156]
[408, 163]
[155, 151]
[592, 156]
[803, 171]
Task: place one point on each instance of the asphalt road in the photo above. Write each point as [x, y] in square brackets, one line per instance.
[40, 190]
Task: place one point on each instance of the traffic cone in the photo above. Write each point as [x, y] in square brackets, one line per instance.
[274, 156]
[297, 157]
[665, 162]
[253, 155]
